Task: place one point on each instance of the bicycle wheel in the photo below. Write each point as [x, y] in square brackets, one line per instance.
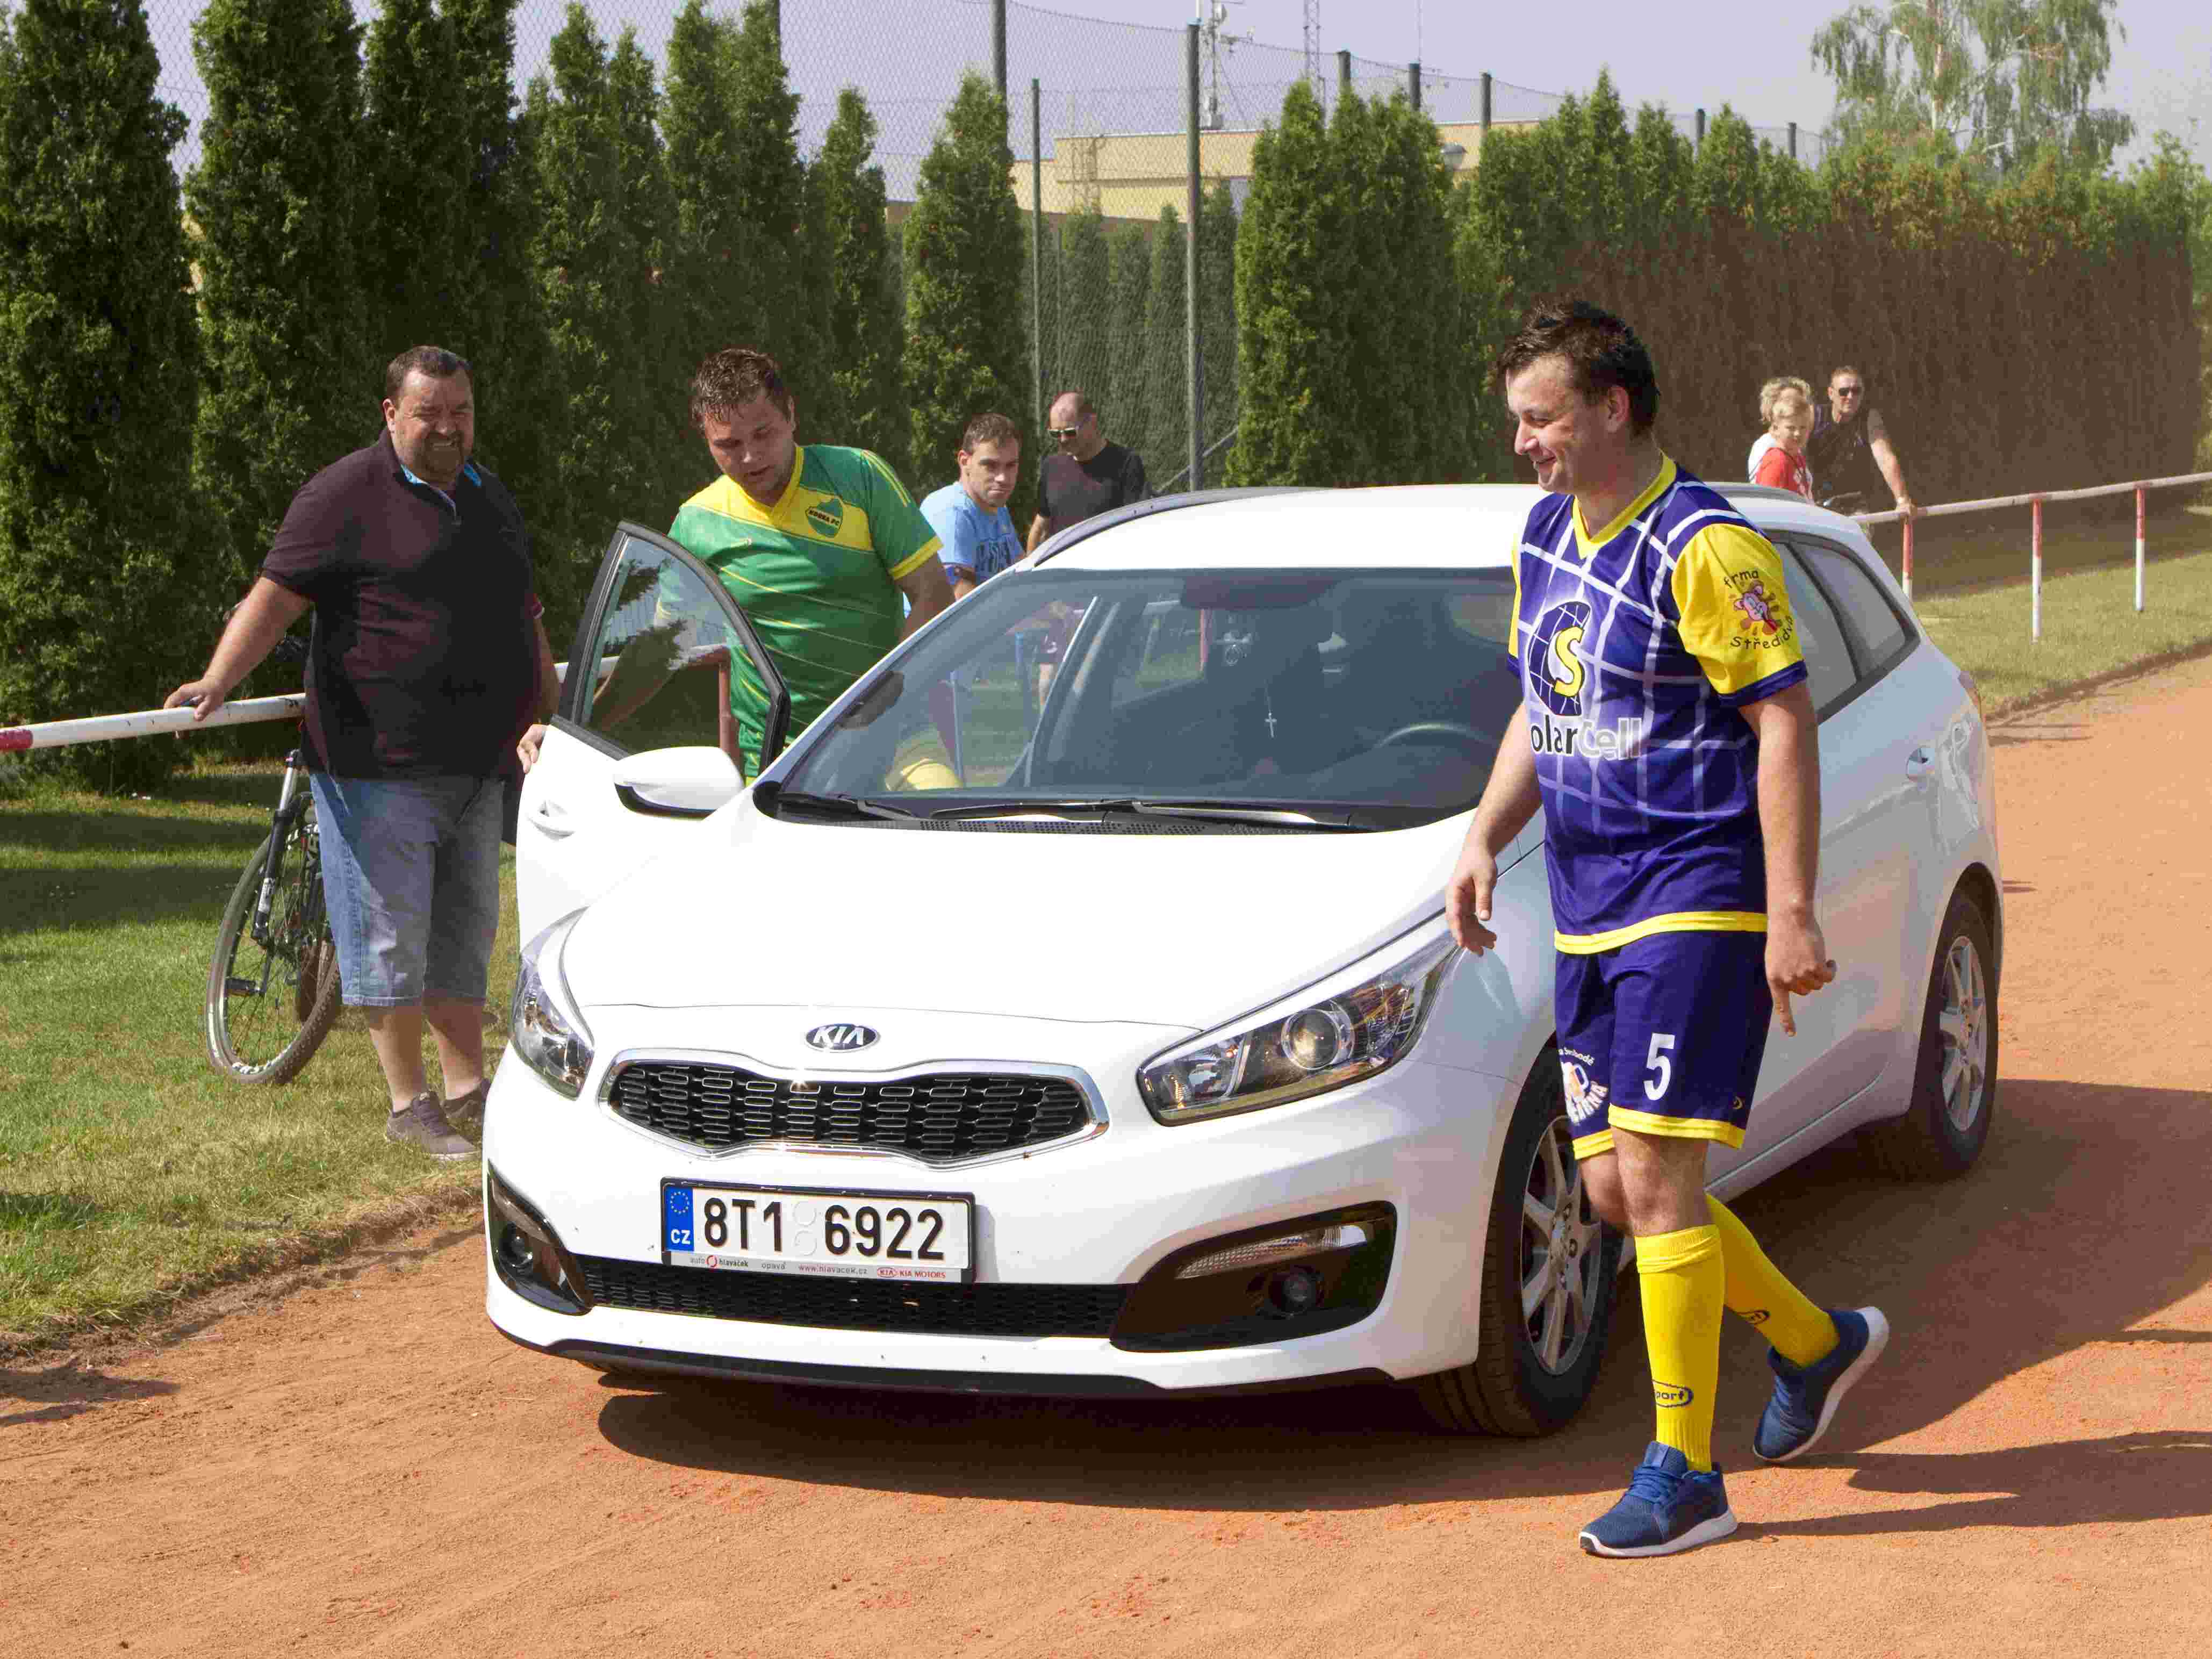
[272, 987]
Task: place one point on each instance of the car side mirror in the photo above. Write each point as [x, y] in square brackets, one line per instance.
[677, 783]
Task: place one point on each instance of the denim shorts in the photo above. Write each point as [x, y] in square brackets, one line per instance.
[410, 875]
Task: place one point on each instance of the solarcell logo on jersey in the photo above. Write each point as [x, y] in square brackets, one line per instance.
[1558, 676]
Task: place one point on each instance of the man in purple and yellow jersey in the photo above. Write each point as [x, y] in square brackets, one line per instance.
[1672, 745]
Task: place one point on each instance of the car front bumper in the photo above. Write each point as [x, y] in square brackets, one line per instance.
[1419, 1141]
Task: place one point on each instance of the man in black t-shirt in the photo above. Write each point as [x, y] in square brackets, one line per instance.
[428, 658]
[1851, 452]
[1088, 477]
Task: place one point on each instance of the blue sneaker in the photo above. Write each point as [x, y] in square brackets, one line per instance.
[1666, 1509]
[1805, 1400]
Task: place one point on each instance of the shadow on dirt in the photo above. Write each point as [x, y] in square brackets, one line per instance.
[2147, 1477]
[60, 1392]
[1981, 1278]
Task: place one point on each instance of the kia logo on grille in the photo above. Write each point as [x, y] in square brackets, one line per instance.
[840, 1039]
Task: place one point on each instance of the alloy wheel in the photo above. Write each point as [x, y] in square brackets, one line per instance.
[1560, 1257]
[1964, 1025]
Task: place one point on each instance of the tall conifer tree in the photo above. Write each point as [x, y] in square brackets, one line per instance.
[708, 273]
[967, 349]
[585, 261]
[1217, 316]
[275, 205]
[666, 456]
[416, 258]
[1297, 257]
[1126, 404]
[1086, 303]
[770, 204]
[498, 328]
[97, 380]
[863, 321]
[1167, 427]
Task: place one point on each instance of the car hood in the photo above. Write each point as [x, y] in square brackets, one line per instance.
[1166, 929]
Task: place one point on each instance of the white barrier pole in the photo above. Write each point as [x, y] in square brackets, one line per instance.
[151, 722]
[2035, 572]
[100, 728]
[2139, 548]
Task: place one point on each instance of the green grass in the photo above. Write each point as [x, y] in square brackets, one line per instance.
[129, 1172]
[2090, 626]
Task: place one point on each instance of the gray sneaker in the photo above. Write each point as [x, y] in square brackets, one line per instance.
[423, 1127]
[465, 1113]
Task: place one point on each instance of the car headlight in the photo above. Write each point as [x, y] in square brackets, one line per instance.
[1350, 1026]
[544, 1030]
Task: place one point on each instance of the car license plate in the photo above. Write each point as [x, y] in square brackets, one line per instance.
[926, 1236]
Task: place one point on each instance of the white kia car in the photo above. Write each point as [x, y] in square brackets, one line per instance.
[1069, 1010]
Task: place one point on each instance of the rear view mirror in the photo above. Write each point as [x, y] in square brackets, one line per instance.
[679, 783]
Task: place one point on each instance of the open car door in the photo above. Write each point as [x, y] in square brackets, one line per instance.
[643, 743]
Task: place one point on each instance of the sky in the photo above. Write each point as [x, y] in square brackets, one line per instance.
[1117, 65]
[1692, 52]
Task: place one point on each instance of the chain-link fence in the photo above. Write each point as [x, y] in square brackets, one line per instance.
[1098, 119]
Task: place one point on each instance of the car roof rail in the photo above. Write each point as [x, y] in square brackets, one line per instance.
[1061, 540]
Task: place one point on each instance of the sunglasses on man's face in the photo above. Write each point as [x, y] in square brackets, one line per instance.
[1848, 391]
[1064, 432]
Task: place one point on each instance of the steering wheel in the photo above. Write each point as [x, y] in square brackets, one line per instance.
[1451, 729]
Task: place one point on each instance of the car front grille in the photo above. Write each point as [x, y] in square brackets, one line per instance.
[943, 1118]
[856, 1305]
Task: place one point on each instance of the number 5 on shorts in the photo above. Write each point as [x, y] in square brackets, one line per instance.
[1656, 1061]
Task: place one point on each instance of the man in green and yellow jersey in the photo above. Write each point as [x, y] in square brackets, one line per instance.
[817, 545]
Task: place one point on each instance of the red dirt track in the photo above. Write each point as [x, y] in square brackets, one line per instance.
[365, 1467]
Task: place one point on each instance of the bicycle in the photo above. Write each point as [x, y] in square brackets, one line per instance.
[272, 986]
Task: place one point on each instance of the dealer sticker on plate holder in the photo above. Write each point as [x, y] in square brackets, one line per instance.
[929, 1237]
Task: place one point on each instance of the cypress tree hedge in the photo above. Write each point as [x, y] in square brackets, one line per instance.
[864, 314]
[97, 383]
[967, 341]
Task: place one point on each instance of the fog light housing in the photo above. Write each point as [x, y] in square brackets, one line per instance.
[514, 1249]
[1295, 1291]
[528, 1255]
[1303, 1277]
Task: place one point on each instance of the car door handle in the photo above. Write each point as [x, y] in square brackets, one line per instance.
[549, 819]
[1918, 763]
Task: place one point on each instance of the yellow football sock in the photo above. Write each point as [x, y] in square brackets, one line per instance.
[1801, 1332]
[1682, 1277]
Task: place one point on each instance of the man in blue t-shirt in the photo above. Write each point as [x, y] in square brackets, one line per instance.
[970, 516]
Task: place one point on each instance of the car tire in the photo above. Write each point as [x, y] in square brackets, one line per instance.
[1530, 1376]
[1954, 1082]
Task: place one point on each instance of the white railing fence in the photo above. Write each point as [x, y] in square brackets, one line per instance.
[2034, 502]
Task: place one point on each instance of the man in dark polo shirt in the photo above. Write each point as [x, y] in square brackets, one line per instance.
[1088, 475]
[426, 659]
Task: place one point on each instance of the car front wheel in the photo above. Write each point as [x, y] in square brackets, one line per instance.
[1954, 1085]
[1549, 1268]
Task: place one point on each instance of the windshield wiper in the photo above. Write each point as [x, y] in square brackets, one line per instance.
[1296, 817]
[770, 799]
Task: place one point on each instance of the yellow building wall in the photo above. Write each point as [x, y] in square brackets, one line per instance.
[1133, 175]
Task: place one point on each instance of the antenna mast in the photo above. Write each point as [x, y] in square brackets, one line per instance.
[1313, 51]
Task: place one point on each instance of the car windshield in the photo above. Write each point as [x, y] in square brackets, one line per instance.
[1354, 698]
